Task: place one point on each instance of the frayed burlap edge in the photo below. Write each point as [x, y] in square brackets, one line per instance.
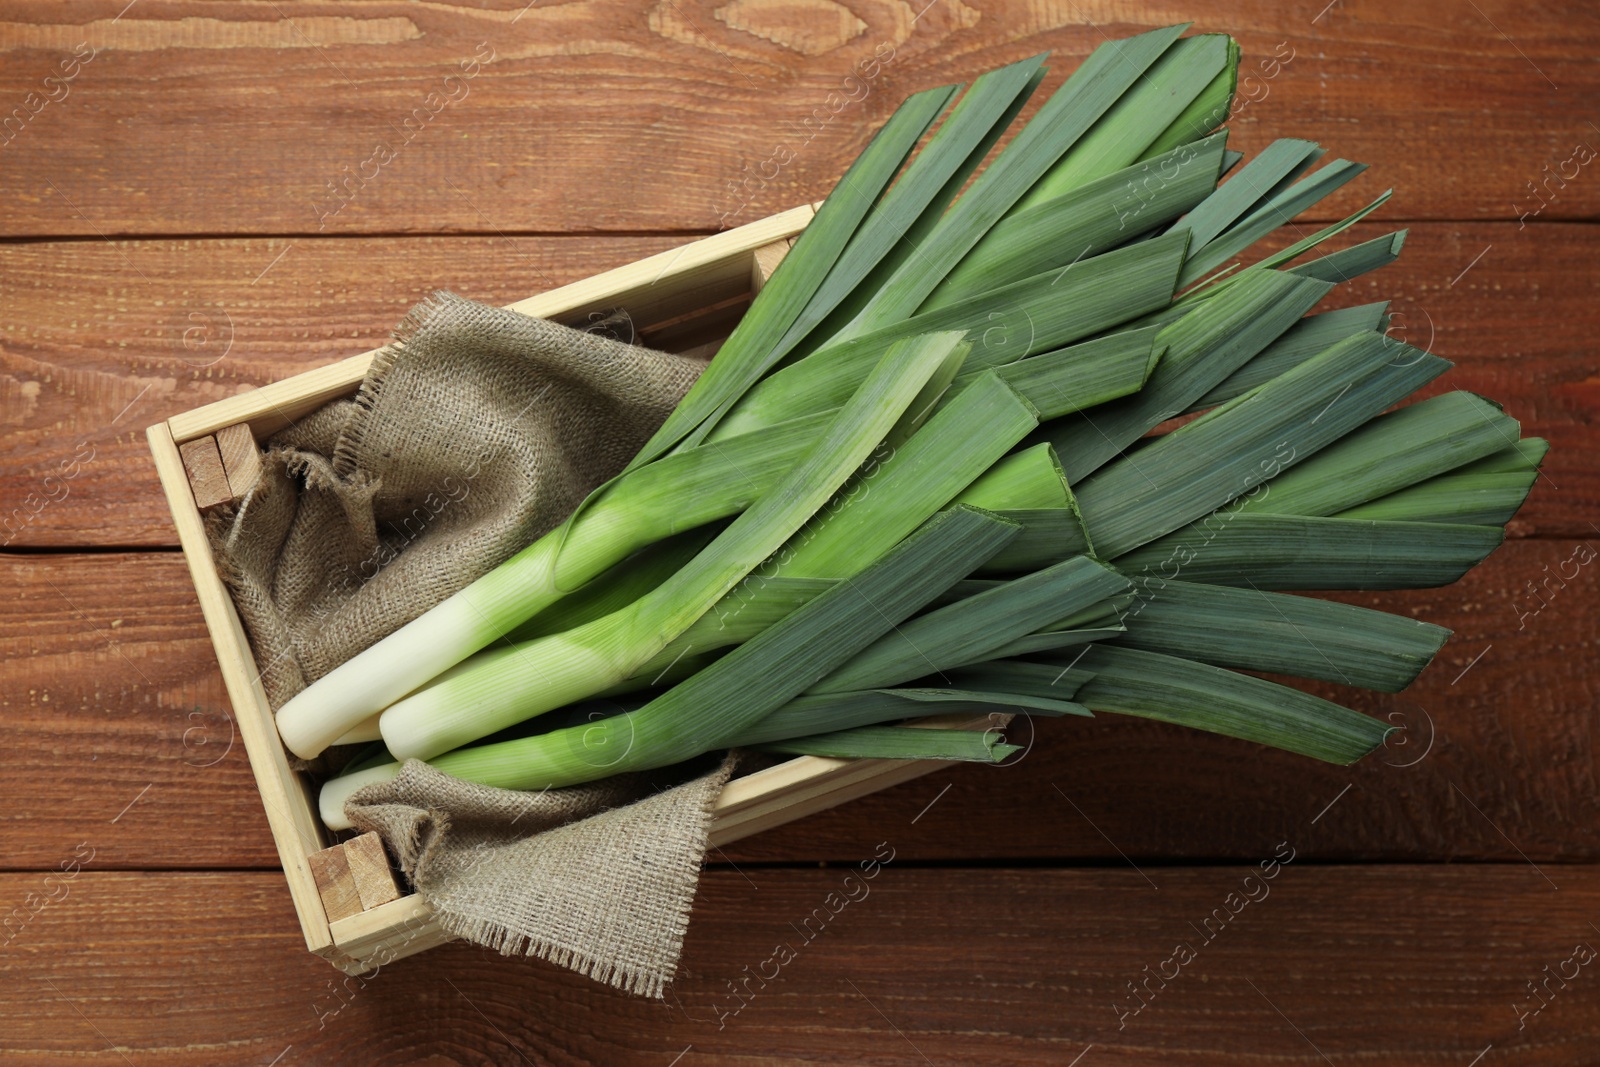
[647, 962]
[352, 441]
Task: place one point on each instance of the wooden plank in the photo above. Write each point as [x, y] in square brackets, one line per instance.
[241, 458]
[202, 464]
[353, 876]
[997, 966]
[804, 785]
[110, 694]
[77, 380]
[742, 111]
[802, 804]
[212, 321]
[112, 707]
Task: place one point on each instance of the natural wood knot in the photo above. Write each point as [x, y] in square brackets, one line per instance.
[810, 27]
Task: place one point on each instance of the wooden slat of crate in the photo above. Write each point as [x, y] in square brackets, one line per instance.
[330, 868]
[290, 810]
[222, 467]
[702, 271]
[369, 870]
[353, 876]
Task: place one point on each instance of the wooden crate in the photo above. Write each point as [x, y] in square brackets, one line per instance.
[683, 299]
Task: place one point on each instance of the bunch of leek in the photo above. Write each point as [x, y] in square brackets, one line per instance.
[920, 477]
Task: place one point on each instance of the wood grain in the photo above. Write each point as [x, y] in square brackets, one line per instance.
[179, 324]
[1381, 966]
[241, 458]
[202, 209]
[369, 867]
[608, 115]
[764, 262]
[112, 699]
[110, 685]
[335, 882]
[92, 350]
[208, 481]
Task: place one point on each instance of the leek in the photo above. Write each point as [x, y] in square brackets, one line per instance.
[683, 491]
[1171, 689]
[1110, 71]
[537, 676]
[1202, 348]
[1256, 630]
[1300, 552]
[968, 630]
[807, 716]
[756, 678]
[1485, 493]
[1093, 218]
[898, 742]
[795, 561]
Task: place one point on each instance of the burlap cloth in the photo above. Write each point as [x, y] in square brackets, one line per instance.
[475, 431]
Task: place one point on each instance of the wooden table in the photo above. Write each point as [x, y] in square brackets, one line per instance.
[201, 207]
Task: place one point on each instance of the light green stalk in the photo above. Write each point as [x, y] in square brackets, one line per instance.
[739, 689]
[1030, 478]
[1027, 487]
[681, 492]
[893, 496]
[515, 684]
[899, 742]
[617, 587]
